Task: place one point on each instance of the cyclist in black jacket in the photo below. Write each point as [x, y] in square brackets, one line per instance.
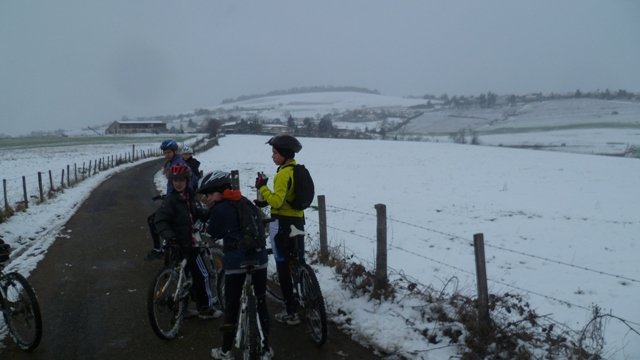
[174, 221]
[224, 223]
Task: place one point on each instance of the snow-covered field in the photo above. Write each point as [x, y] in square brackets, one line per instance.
[562, 229]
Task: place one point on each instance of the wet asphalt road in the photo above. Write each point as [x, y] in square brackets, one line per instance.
[93, 281]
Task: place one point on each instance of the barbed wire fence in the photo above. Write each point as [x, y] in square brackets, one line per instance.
[353, 255]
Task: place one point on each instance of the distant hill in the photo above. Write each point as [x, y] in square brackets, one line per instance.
[569, 124]
[532, 116]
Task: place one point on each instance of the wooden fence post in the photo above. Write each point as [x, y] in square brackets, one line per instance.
[24, 192]
[133, 153]
[6, 201]
[68, 175]
[322, 215]
[40, 186]
[75, 172]
[483, 292]
[381, 253]
[62, 180]
[235, 179]
[50, 181]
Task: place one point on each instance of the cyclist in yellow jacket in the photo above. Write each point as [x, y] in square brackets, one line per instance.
[284, 148]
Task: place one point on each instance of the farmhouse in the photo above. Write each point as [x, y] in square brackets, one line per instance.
[130, 127]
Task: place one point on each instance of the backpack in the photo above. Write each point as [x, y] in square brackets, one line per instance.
[252, 231]
[303, 188]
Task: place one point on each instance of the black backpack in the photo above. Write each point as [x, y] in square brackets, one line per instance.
[252, 231]
[303, 188]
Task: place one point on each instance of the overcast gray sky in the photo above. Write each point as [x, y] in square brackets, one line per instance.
[68, 64]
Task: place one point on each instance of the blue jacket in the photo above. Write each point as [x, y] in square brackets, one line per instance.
[224, 224]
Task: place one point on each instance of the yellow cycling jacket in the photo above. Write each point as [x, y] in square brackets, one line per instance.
[282, 192]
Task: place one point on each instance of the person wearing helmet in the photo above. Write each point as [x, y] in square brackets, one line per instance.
[194, 164]
[224, 223]
[174, 221]
[169, 149]
[283, 150]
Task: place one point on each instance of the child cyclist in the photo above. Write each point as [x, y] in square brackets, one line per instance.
[169, 149]
[283, 149]
[224, 223]
[174, 221]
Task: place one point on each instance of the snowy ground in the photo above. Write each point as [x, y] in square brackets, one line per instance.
[562, 229]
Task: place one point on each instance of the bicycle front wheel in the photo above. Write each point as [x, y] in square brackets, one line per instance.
[21, 311]
[164, 305]
[312, 305]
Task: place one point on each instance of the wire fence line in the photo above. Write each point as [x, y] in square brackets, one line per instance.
[21, 191]
[502, 248]
[470, 273]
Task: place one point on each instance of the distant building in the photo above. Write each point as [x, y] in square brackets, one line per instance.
[131, 127]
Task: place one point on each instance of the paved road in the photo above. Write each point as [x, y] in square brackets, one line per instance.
[92, 289]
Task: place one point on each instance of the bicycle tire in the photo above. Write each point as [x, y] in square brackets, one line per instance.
[312, 305]
[21, 311]
[250, 334]
[165, 313]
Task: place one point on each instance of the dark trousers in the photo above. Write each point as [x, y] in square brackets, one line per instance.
[288, 247]
[201, 292]
[233, 290]
[154, 232]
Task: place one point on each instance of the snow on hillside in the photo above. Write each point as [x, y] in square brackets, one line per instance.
[571, 112]
[312, 104]
[544, 115]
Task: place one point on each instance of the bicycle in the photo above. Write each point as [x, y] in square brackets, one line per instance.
[168, 295]
[20, 310]
[249, 338]
[307, 293]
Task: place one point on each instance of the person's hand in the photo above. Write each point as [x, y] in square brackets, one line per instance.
[261, 180]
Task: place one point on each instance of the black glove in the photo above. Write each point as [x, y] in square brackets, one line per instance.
[260, 203]
[261, 181]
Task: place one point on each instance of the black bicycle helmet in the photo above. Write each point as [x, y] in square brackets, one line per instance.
[169, 144]
[286, 142]
[215, 181]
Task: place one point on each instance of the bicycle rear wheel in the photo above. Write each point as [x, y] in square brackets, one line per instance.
[21, 311]
[250, 345]
[312, 305]
[164, 305]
